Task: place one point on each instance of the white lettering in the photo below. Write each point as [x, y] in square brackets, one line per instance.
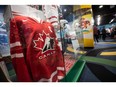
[46, 55]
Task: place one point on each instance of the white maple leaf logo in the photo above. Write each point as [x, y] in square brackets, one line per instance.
[48, 42]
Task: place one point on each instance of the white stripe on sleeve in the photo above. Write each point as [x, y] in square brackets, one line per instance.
[50, 79]
[17, 55]
[15, 44]
[60, 77]
[60, 68]
[53, 19]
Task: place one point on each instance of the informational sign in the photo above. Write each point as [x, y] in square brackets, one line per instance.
[86, 24]
[83, 14]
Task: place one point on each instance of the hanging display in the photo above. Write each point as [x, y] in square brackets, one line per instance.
[35, 53]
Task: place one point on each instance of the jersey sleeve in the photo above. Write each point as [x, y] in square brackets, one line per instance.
[61, 64]
[51, 13]
[60, 61]
[17, 55]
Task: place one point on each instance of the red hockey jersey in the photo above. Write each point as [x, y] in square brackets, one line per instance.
[35, 53]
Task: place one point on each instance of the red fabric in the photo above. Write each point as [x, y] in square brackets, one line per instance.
[35, 53]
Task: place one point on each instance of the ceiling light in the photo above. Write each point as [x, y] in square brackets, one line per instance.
[111, 20]
[101, 6]
[98, 19]
[112, 6]
[65, 10]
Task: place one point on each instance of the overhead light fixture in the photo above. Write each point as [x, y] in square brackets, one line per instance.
[111, 20]
[112, 6]
[65, 10]
[98, 19]
[101, 6]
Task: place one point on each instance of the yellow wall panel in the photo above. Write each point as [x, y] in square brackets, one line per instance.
[85, 6]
